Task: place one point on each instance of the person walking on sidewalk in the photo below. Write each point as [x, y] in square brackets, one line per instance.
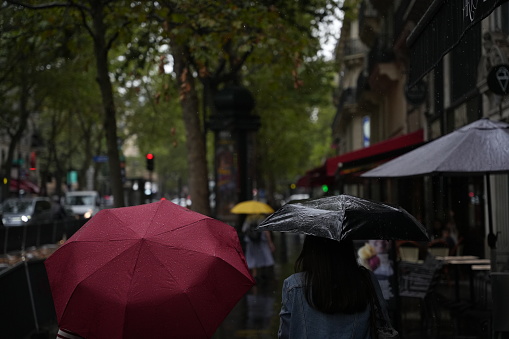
[259, 245]
[330, 295]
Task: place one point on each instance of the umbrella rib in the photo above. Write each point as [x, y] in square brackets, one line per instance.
[453, 149]
[177, 282]
[88, 276]
[178, 228]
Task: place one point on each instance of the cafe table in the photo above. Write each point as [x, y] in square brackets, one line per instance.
[469, 261]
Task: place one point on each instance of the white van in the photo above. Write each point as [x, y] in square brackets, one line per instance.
[83, 204]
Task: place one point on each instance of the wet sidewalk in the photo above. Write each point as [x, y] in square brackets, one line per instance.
[256, 316]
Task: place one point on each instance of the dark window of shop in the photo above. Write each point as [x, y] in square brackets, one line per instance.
[504, 15]
[464, 60]
[438, 94]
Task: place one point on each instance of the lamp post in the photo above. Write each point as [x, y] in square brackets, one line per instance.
[234, 129]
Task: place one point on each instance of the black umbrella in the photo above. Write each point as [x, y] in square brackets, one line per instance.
[344, 217]
[481, 147]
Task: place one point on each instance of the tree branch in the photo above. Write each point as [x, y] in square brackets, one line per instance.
[47, 5]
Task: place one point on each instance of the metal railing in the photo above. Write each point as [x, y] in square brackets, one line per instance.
[19, 238]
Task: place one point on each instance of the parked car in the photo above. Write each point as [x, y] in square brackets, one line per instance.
[26, 211]
[83, 204]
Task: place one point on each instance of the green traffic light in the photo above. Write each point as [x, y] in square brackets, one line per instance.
[325, 188]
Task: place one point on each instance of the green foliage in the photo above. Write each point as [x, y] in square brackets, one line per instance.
[268, 46]
[295, 134]
[153, 120]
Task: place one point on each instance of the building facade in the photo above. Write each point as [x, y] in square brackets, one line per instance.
[411, 72]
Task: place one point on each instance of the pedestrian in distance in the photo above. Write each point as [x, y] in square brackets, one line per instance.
[259, 246]
[330, 295]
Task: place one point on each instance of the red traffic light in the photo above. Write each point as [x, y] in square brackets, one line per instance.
[150, 161]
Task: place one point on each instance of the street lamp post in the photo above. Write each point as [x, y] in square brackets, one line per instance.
[234, 129]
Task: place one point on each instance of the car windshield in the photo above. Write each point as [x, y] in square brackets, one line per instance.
[17, 206]
[80, 200]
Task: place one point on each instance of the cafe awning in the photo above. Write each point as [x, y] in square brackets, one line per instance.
[315, 177]
[441, 28]
[25, 185]
[384, 150]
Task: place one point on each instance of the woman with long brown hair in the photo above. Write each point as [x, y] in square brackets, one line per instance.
[330, 294]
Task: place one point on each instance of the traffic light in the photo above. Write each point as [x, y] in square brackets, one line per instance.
[325, 188]
[33, 161]
[150, 161]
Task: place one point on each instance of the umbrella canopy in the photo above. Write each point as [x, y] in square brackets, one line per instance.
[252, 207]
[344, 217]
[478, 148]
[156, 270]
[481, 147]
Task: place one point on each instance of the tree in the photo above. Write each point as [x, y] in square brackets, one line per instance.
[70, 123]
[223, 44]
[153, 119]
[214, 47]
[295, 123]
[23, 77]
[105, 21]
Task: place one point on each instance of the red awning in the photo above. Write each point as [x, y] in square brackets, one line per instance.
[25, 185]
[315, 177]
[387, 147]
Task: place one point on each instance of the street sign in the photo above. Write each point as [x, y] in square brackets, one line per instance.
[100, 158]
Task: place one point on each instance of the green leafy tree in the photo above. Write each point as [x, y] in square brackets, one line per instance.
[25, 67]
[296, 112]
[225, 43]
[213, 49]
[70, 123]
[107, 24]
[153, 120]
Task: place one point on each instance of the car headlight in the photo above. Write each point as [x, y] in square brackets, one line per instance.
[88, 214]
[25, 218]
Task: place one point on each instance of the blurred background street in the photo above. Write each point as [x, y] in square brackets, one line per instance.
[110, 104]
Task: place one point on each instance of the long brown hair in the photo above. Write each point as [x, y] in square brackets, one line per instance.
[335, 283]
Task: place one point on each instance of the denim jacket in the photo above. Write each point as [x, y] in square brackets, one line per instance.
[299, 320]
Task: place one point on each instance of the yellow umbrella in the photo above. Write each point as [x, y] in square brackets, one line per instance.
[252, 207]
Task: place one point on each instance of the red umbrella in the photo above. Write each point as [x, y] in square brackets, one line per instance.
[150, 271]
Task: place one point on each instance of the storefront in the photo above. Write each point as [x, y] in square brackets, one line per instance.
[341, 174]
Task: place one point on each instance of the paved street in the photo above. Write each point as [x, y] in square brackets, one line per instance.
[257, 314]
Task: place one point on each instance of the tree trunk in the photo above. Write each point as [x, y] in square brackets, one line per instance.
[24, 113]
[195, 139]
[110, 120]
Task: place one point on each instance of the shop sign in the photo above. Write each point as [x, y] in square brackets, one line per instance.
[498, 80]
[417, 93]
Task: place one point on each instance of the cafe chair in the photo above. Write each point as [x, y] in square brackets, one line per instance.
[408, 251]
[418, 282]
[439, 248]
